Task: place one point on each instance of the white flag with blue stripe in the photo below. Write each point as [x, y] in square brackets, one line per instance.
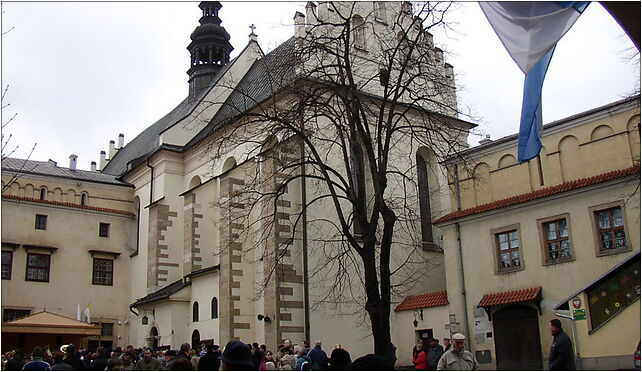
[529, 32]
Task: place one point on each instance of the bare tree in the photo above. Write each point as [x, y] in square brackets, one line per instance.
[7, 148]
[337, 115]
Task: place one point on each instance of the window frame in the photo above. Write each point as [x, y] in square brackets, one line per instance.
[496, 251]
[544, 239]
[593, 211]
[214, 308]
[41, 226]
[102, 234]
[196, 316]
[93, 272]
[29, 254]
[10, 264]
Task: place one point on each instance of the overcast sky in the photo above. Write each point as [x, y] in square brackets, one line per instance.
[81, 73]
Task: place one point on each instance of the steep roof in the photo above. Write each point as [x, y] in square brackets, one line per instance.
[47, 168]
[147, 142]
[265, 77]
[541, 193]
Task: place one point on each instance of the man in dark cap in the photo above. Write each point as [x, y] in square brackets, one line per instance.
[434, 353]
[561, 356]
[236, 357]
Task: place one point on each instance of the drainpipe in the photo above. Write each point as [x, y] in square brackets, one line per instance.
[304, 221]
[461, 256]
[151, 183]
[132, 310]
[576, 341]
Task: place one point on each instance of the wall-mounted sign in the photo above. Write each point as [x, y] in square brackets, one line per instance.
[579, 314]
[577, 303]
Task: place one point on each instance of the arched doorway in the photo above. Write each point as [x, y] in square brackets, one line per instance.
[153, 334]
[517, 342]
[196, 339]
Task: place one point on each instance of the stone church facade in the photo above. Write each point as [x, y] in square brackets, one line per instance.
[204, 265]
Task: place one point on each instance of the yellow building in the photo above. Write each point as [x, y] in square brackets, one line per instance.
[67, 235]
[558, 236]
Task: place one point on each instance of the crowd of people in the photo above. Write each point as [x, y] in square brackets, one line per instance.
[238, 356]
[235, 356]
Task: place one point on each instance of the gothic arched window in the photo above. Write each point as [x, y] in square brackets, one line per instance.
[214, 308]
[195, 312]
[424, 202]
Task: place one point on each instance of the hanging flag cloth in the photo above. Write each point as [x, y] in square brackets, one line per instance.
[529, 31]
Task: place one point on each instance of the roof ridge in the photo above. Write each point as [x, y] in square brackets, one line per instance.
[540, 193]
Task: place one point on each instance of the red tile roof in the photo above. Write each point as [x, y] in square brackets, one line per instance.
[509, 297]
[541, 193]
[72, 205]
[423, 301]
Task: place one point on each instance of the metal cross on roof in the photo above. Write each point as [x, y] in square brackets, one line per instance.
[252, 27]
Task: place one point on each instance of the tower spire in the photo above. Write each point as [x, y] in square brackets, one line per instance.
[209, 49]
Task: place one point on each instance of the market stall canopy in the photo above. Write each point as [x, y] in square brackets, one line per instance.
[50, 323]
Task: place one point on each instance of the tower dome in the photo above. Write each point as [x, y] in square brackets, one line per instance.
[209, 49]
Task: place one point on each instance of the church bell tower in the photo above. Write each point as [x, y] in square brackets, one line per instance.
[209, 50]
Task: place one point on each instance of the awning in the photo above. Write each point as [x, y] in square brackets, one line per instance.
[50, 323]
[511, 297]
[423, 301]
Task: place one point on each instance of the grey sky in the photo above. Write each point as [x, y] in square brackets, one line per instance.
[80, 73]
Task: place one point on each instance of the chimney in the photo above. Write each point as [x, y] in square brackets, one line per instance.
[112, 149]
[299, 25]
[103, 160]
[485, 140]
[93, 166]
[121, 141]
[72, 161]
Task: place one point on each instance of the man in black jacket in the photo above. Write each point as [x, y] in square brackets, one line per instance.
[210, 361]
[561, 357]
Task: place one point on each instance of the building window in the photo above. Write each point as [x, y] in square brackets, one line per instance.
[103, 230]
[614, 293]
[508, 252]
[195, 312]
[214, 308]
[13, 314]
[556, 240]
[7, 260]
[380, 11]
[83, 199]
[424, 204]
[43, 194]
[359, 32]
[41, 222]
[38, 267]
[106, 330]
[103, 271]
[610, 230]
